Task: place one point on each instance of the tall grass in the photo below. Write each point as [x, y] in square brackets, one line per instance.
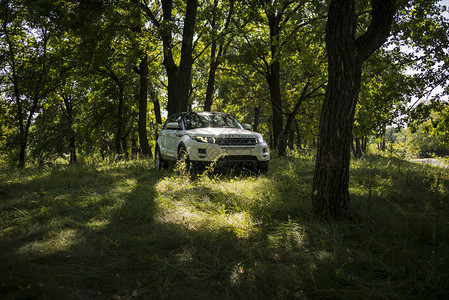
[127, 231]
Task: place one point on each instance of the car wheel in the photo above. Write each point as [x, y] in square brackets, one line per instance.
[183, 159]
[158, 161]
[262, 166]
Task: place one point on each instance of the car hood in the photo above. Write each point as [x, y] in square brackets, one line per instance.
[222, 132]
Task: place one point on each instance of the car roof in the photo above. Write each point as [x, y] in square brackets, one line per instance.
[204, 113]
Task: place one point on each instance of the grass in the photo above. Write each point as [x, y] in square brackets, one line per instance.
[127, 231]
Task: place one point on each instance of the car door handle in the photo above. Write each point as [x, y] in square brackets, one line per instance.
[179, 134]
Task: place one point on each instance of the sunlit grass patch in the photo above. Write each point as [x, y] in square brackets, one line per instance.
[203, 203]
[125, 230]
[55, 241]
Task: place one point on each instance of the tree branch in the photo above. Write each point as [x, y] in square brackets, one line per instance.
[379, 28]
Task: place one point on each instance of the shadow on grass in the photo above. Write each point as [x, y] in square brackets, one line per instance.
[399, 184]
[91, 233]
[127, 231]
[61, 229]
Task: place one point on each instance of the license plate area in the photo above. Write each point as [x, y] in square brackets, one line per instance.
[238, 152]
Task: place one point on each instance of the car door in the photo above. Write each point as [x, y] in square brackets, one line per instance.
[172, 137]
[162, 138]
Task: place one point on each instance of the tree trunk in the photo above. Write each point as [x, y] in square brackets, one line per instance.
[364, 141]
[156, 105]
[279, 142]
[330, 182]
[211, 78]
[143, 138]
[178, 90]
[274, 83]
[357, 149]
[118, 136]
[23, 135]
[124, 145]
[23, 146]
[68, 113]
[134, 147]
[179, 77]
[212, 64]
[25, 130]
[292, 116]
[256, 117]
[291, 139]
[270, 132]
[214, 54]
[346, 55]
[72, 145]
[298, 134]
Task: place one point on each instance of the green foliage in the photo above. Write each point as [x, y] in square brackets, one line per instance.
[289, 34]
[34, 59]
[417, 141]
[405, 82]
[90, 50]
[440, 124]
[382, 99]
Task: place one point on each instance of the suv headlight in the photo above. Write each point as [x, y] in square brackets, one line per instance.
[260, 139]
[204, 139]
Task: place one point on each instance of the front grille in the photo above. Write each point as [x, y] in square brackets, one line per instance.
[235, 141]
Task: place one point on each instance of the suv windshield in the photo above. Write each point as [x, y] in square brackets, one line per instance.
[193, 121]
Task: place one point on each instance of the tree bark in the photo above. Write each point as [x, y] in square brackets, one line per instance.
[211, 78]
[279, 142]
[67, 111]
[118, 137]
[23, 135]
[143, 102]
[298, 135]
[357, 151]
[212, 65]
[291, 118]
[383, 144]
[156, 105]
[256, 117]
[179, 77]
[346, 54]
[364, 141]
[274, 83]
[216, 55]
[23, 118]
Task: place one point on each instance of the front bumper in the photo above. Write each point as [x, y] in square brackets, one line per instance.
[209, 152]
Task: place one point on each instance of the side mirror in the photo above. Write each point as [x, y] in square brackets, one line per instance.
[172, 125]
[247, 126]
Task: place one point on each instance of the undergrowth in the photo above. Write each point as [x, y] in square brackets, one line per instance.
[126, 231]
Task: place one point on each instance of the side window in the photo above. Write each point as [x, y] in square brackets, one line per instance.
[169, 119]
[178, 120]
[173, 118]
[188, 121]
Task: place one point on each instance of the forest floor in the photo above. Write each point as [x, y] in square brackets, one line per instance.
[127, 231]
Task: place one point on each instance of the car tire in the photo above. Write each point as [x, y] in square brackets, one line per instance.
[183, 157]
[262, 166]
[159, 163]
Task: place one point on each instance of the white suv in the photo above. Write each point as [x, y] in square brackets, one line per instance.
[199, 138]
